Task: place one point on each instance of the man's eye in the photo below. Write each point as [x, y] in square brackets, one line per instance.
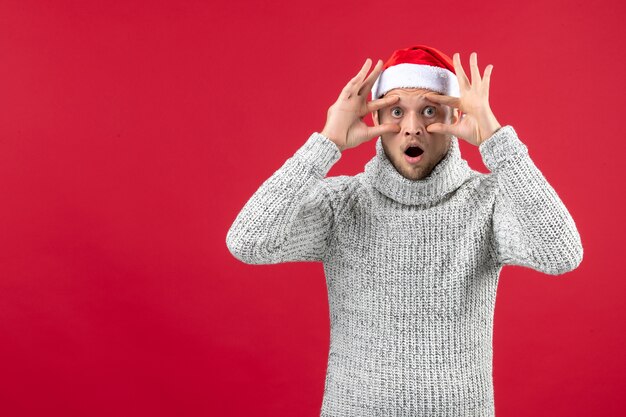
[396, 112]
[430, 111]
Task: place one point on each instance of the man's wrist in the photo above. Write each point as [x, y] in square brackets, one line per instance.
[488, 125]
[331, 137]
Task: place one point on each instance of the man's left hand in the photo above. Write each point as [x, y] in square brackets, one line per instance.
[477, 123]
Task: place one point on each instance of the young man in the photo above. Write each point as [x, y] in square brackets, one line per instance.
[413, 246]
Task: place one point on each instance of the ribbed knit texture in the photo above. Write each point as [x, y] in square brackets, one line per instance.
[411, 267]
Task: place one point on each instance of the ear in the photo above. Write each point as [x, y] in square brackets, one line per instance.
[375, 118]
[455, 115]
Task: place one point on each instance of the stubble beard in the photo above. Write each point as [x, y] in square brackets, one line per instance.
[421, 171]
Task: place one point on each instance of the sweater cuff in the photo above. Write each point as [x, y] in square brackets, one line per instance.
[502, 146]
[319, 152]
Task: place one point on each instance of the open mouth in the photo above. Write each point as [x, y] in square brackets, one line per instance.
[414, 151]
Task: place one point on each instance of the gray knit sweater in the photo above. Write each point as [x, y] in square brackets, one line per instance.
[411, 267]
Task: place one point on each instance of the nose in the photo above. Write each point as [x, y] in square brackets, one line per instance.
[412, 125]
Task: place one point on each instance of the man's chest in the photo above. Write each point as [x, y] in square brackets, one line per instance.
[457, 234]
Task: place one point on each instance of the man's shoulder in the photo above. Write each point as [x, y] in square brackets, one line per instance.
[344, 190]
[479, 177]
[341, 183]
[484, 183]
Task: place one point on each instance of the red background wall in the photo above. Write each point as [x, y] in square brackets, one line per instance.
[132, 133]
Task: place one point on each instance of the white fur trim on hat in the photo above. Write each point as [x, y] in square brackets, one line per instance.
[433, 78]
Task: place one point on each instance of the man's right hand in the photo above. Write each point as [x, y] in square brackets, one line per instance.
[344, 122]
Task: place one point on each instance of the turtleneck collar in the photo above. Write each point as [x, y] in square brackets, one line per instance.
[445, 177]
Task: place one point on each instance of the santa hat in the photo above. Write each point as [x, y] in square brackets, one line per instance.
[418, 66]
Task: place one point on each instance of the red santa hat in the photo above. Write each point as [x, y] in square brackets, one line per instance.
[417, 66]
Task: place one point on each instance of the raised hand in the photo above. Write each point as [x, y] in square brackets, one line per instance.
[477, 122]
[344, 122]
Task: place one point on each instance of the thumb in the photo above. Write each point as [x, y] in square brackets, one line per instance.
[440, 128]
[378, 130]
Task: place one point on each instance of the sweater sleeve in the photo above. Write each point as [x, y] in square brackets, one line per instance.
[290, 216]
[531, 225]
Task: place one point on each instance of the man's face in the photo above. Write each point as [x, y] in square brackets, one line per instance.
[413, 112]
